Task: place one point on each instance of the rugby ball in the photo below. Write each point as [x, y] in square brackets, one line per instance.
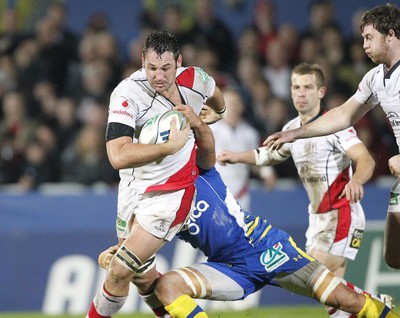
[156, 129]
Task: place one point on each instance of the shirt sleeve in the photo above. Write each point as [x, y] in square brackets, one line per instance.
[364, 93]
[347, 138]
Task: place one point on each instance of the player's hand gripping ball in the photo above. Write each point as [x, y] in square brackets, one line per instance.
[156, 129]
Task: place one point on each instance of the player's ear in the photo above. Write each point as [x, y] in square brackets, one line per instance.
[179, 61]
[322, 91]
[142, 61]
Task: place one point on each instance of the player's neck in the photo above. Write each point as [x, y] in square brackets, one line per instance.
[173, 95]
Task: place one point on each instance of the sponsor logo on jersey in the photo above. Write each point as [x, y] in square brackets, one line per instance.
[394, 198]
[203, 75]
[191, 226]
[273, 258]
[393, 119]
[356, 238]
[122, 112]
[314, 179]
[120, 224]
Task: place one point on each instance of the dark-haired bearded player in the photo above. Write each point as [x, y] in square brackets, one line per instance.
[157, 190]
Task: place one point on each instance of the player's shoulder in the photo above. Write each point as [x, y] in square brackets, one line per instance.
[132, 85]
[292, 124]
[375, 73]
[188, 76]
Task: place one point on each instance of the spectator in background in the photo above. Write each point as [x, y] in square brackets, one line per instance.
[289, 37]
[16, 131]
[209, 31]
[44, 99]
[54, 55]
[8, 76]
[107, 49]
[333, 46]
[11, 35]
[41, 160]
[248, 44]
[98, 68]
[207, 58]
[85, 161]
[173, 21]
[67, 122]
[235, 134]
[277, 69]
[264, 15]
[27, 65]
[321, 15]
[57, 14]
[310, 49]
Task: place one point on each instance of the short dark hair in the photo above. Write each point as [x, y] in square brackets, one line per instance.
[161, 42]
[307, 68]
[382, 18]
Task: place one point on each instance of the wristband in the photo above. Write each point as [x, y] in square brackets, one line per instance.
[221, 113]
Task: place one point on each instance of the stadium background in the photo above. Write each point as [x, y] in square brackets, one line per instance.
[50, 239]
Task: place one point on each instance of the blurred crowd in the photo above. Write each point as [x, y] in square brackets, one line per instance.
[55, 84]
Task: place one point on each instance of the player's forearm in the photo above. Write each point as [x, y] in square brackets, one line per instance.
[364, 170]
[247, 157]
[217, 102]
[206, 156]
[331, 122]
[129, 155]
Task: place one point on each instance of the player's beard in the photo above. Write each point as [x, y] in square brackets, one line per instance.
[381, 57]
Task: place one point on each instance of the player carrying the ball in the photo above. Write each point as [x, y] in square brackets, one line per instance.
[156, 190]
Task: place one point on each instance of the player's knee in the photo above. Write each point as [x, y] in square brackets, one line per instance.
[166, 288]
[118, 274]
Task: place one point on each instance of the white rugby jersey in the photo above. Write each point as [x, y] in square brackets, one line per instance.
[376, 87]
[323, 166]
[241, 138]
[134, 101]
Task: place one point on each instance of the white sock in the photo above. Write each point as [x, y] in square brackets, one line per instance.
[105, 305]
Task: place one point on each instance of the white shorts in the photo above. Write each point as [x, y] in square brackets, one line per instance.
[161, 213]
[394, 199]
[337, 232]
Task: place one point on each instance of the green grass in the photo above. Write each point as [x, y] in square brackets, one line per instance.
[263, 312]
[270, 312]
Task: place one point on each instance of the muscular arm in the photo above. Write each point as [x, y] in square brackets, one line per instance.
[364, 169]
[123, 154]
[336, 119]
[216, 103]
[204, 138]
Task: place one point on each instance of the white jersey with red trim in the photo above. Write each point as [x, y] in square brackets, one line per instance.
[323, 166]
[379, 87]
[134, 101]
